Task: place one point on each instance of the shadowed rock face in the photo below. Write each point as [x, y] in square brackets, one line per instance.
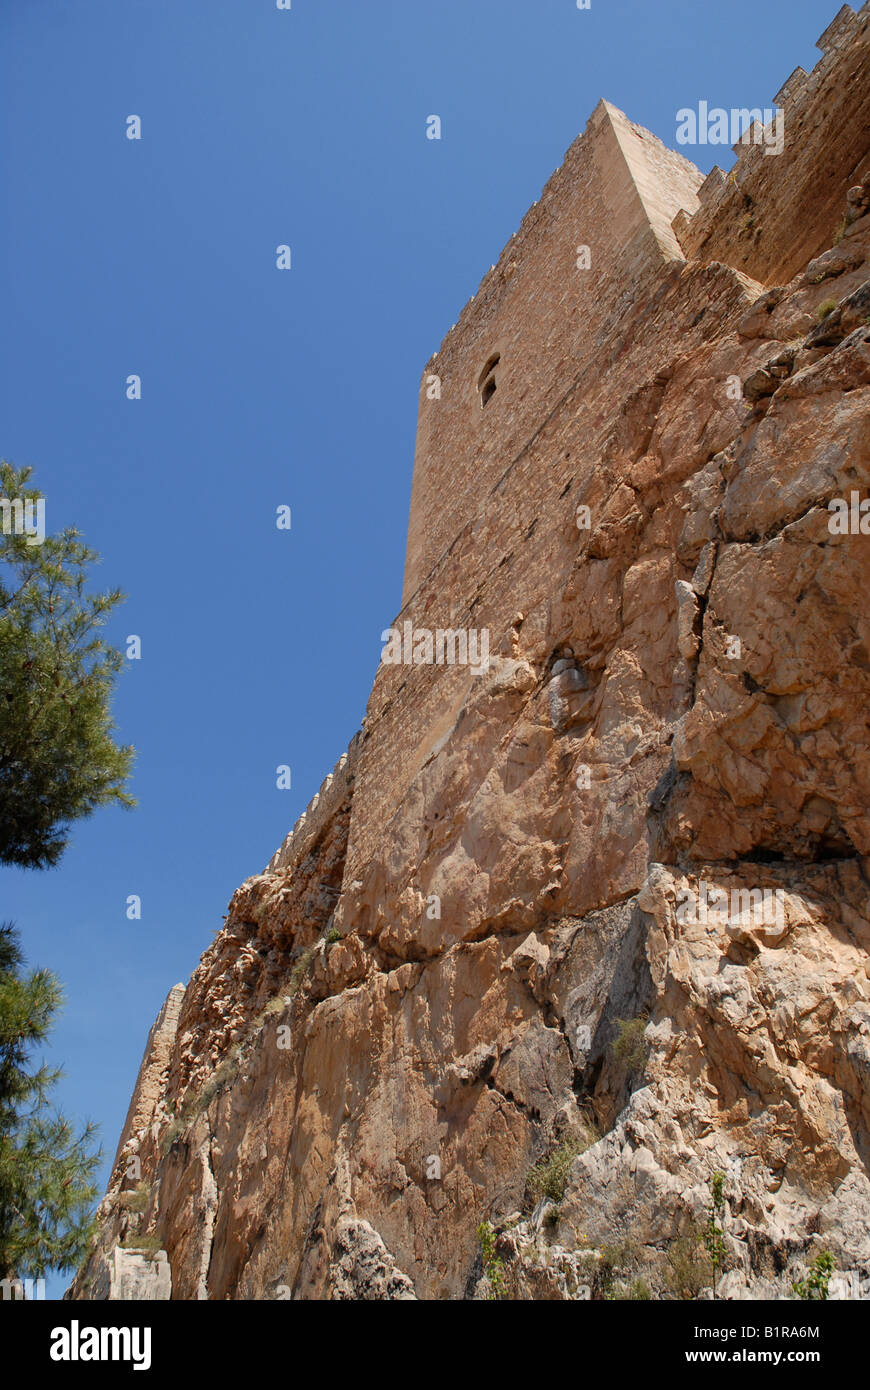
[652, 806]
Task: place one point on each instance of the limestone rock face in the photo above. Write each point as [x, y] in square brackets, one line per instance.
[362, 1267]
[755, 1070]
[493, 1023]
[130, 1276]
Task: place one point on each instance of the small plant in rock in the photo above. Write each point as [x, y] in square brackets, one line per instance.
[145, 1245]
[274, 1006]
[220, 1079]
[135, 1199]
[815, 1287]
[637, 1290]
[549, 1176]
[172, 1134]
[301, 968]
[826, 307]
[714, 1231]
[688, 1270]
[630, 1047]
[184, 1113]
[332, 936]
[493, 1266]
[615, 1262]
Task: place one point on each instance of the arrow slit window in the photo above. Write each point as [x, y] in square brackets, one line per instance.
[487, 383]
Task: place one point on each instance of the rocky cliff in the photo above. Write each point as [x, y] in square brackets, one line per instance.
[504, 1022]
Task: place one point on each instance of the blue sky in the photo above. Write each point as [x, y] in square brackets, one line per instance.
[263, 388]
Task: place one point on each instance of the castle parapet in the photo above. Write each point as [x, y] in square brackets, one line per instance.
[792, 89]
[336, 787]
[781, 203]
[840, 31]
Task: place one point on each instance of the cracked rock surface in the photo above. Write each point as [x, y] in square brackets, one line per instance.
[361, 1073]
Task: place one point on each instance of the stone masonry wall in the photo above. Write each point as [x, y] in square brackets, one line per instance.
[151, 1081]
[499, 574]
[552, 324]
[617, 193]
[336, 787]
[573, 346]
[773, 213]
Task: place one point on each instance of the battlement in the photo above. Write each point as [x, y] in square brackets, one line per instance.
[773, 212]
[840, 31]
[336, 787]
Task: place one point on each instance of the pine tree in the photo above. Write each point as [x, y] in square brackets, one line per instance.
[58, 759]
[46, 1173]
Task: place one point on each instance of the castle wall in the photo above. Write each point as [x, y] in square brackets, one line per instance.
[503, 561]
[773, 212]
[336, 787]
[617, 193]
[489, 483]
[151, 1081]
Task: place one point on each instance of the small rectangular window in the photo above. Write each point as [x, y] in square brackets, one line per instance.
[486, 382]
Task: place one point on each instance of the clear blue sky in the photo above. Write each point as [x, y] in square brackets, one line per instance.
[262, 388]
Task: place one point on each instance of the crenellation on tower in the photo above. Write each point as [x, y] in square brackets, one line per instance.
[792, 89]
[710, 188]
[776, 210]
[336, 788]
[840, 31]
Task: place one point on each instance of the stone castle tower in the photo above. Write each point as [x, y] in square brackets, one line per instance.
[417, 1001]
[492, 485]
